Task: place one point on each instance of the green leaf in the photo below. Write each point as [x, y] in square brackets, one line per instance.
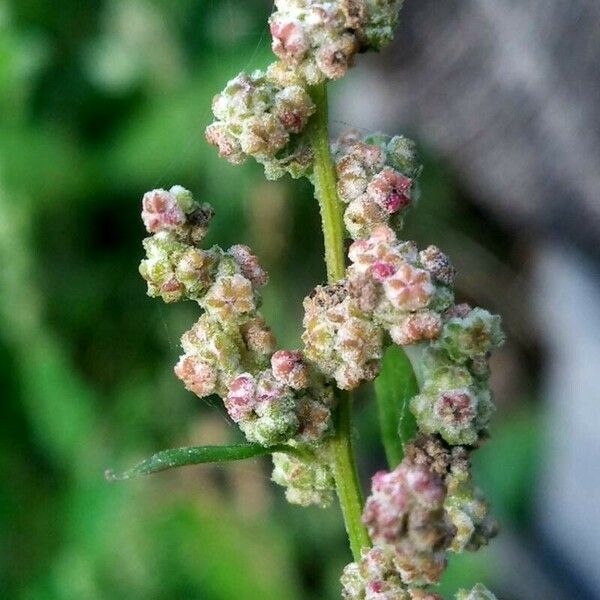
[193, 455]
[394, 387]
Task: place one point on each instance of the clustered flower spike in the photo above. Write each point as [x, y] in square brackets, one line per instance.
[392, 292]
[319, 40]
[260, 115]
[376, 180]
[275, 396]
[415, 515]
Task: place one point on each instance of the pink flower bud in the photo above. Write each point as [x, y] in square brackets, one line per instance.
[249, 265]
[197, 376]
[409, 288]
[161, 212]
[289, 368]
[391, 190]
[241, 399]
[289, 41]
[456, 407]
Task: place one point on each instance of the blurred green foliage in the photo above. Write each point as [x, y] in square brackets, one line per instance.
[100, 101]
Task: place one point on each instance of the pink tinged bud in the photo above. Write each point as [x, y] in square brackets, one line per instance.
[424, 325]
[161, 212]
[249, 265]
[458, 311]
[456, 407]
[197, 376]
[228, 146]
[289, 368]
[391, 190]
[409, 288]
[289, 41]
[241, 399]
[381, 270]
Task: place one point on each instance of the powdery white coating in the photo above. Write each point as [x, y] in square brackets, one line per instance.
[320, 39]
[290, 368]
[256, 116]
[376, 179]
[339, 338]
[405, 511]
[307, 481]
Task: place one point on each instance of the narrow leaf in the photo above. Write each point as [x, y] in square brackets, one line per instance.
[394, 387]
[194, 455]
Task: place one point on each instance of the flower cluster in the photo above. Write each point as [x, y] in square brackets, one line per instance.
[376, 179]
[308, 480]
[390, 288]
[260, 115]
[275, 396]
[375, 577]
[455, 400]
[415, 515]
[340, 337]
[428, 505]
[320, 39]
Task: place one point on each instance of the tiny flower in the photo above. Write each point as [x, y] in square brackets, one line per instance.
[472, 335]
[230, 297]
[314, 420]
[390, 190]
[339, 338]
[453, 405]
[249, 265]
[258, 337]
[161, 211]
[289, 368]
[256, 115]
[307, 481]
[198, 377]
[241, 399]
[438, 264]
[416, 327]
[289, 41]
[409, 288]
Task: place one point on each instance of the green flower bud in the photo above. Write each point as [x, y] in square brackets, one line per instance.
[307, 481]
[453, 405]
[471, 336]
[258, 116]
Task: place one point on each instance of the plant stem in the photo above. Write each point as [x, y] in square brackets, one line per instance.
[342, 454]
[325, 189]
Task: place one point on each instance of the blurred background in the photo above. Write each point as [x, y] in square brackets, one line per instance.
[101, 100]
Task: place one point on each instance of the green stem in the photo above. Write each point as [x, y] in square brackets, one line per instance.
[346, 478]
[325, 189]
[342, 454]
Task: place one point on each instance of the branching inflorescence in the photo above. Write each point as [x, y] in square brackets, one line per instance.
[295, 401]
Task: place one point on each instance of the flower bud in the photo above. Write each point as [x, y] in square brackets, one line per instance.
[339, 338]
[307, 481]
[256, 115]
[438, 264]
[471, 336]
[249, 265]
[453, 405]
[289, 368]
[263, 408]
[198, 377]
[320, 39]
[230, 298]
